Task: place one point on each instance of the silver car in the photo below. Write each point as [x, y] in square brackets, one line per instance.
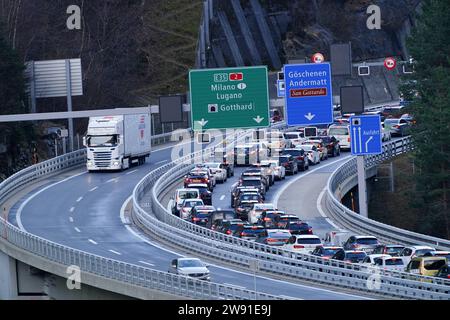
[190, 267]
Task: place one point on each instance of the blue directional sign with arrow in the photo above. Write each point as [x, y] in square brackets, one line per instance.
[366, 134]
[308, 94]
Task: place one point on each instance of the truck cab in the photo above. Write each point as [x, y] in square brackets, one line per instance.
[117, 142]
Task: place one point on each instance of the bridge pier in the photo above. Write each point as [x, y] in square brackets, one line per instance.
[8, 277]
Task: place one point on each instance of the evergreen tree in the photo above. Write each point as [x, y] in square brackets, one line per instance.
[428, 89]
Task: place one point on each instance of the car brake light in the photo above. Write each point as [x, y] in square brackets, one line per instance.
[196, 219]
[448, 276]
[297, 246]
[228, 231]
[267, 219]
[242, 234]
[348, 139]
[271, 240]
[355, 245]
[310, 231]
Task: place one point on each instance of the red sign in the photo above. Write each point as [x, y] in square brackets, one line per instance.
[299, 93]
[318, 58]
[236, 76]
[390, 63]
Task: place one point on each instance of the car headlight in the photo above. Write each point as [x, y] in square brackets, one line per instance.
[116, 163]
[89, 163]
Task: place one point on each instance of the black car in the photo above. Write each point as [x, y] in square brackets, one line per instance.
[353, 256]
[268, 218]
[218, 216]
[257, 172]
[289, 163]
[245, 203]
[203, 189]
[200, 215]
[249, 232]
[325, 252]
[331, 143]
[230, 226]
[294, 225]
[300, 155]
[254, 182]
[236, 190]
[390, 249]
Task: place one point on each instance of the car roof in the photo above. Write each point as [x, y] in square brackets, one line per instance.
[379, 255]
[198, 185]
[192, 199]
[355, 251]
[421, 247]
[360, 237]
[432, 258]
[186, 189]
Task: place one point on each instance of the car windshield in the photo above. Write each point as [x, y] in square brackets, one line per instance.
[422, 252]
[190, 263]
[252, 230]
[187, 194]
[394, 262]
[193, 203]
[102, 141]
[213, 165]
[263, 206]
[252, 183]
[284, 159]
[355, 255]
[307, 147]
[338, 131]
[434, 265]
[202, 214]
[294, 152]
[308, 241]
[248, 197]
[394, 250]
[391, 121]
[366, 241]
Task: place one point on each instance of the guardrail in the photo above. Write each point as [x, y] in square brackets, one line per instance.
[109, 269]
[160, 222]
[345, 177]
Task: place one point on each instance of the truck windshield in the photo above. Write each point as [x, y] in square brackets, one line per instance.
[102, 141]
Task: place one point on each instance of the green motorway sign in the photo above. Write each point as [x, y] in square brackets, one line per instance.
[229, 98]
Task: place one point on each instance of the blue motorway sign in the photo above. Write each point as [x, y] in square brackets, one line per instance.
[308, 90]
[366, 134]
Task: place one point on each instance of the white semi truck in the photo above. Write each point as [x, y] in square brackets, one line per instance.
[117, 142]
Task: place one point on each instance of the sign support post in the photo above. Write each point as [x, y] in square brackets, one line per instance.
[69, 102]
[362, 186]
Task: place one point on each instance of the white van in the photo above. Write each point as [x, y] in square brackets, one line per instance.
[342, 133]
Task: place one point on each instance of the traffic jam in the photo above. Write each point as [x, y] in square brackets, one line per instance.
[268, 160]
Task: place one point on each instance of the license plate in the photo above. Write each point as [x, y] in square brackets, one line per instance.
[196, 181]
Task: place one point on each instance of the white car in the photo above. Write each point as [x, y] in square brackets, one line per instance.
[276, 140]
[312, 152]
[278, 171]
[342, 133]
[181, 194]
[414, 251]
[257, 209]
[304, 243]
[295, 137]
[384, 261]
[218, 171]
[190, 267]
[187, 205]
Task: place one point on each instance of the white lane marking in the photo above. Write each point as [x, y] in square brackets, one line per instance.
[290, 298]
[219, 209]
[233, 285]
[287, 185]
[112, 180]
[77, 230]
[132, 172]
[93, 189]
[19, 211]
[70, 219]
[79, 199]
[72, 209]
[160, 162]
[115, 252]
[222, 197]
[147, 263]
[322, 213]
[92, 241]
[130, 229]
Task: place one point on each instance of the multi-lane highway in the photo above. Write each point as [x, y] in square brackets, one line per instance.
[82, 210]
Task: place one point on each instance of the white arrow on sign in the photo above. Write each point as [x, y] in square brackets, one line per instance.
[354, 140]
[360, 139]
[258, 119]
[203, 122]
[309, 116]
[367, 143]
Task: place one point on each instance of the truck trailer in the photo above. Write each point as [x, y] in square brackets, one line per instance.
[117, 142]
